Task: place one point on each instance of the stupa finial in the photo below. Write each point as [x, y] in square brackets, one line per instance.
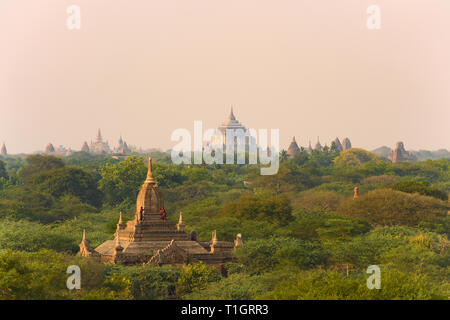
[149, 172]
[231, 116]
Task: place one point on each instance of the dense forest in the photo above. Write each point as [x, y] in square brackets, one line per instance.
[305, 236]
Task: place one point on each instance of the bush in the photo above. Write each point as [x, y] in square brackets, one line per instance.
[122, 181]
[342, 229]
[382, 180]
[354, 157]
[263, 255]
[420, 187]
[32, 236]
[274, 209]
[388, 207]
[149, 282]
[37, 164]
[196, 276]
[322, 285]
[321, 201]
[69, 181]
[234, 287]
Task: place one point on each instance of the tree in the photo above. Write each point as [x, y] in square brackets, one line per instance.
[269, 207]
[283, 155]
[196, 276]
[234, 287]
[420, 187]
[149, 282]
[354, 157]
[69, 181]
[122, 181]
[37, 164]
[3, 173]
[322, 285]
[168, 175]
[342, 229]
[387, 207]
[265, 255]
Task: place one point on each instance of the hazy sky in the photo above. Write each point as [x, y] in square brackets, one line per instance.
[144, 68]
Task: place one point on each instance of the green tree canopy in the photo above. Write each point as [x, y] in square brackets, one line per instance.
[196, 276]
[272, 208]
[121, 181]
[3, 173]
[354, 157]
[69, 181]
[420, 187]
[37, 164]
[388, 207]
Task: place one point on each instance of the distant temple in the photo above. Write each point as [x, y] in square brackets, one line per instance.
[293, 148]
[99, 146]
[102, 147]
[60, 151]
[49, 149]
[233, 124]
[318, 146]
[346, 144]
[122, 147]
[85, 148]
[310, 149]
[3, 150]
[338, 144]
[399, 154]
[150, 239]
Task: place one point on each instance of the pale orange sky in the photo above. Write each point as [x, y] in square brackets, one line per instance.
[144, 68]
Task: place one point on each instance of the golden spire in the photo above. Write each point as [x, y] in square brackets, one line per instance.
[149, 172]
[118, 245]
[214, 237]
[180, 225]
[83, 240]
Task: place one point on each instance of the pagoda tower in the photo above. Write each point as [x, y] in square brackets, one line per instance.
[148, 238]
[293, 148]
[3, 150]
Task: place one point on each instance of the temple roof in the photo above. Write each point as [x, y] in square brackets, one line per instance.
[3, 150]
[49, 148]
[231, 122]
[338, 144]
[318, 146]
[346, 144]
[293, 148]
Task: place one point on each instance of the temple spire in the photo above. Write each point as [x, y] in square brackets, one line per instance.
[231, 116]
[118, 245]
[180, 225]
[99, 136]
[120, 223]
[3, 150]
[149, 172]
[214, 237]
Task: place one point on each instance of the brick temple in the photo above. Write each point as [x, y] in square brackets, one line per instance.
[149, 239]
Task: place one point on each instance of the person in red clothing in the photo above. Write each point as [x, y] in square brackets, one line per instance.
[163, 214]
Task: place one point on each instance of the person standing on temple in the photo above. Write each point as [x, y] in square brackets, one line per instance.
[163, 214]
[141, 213]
